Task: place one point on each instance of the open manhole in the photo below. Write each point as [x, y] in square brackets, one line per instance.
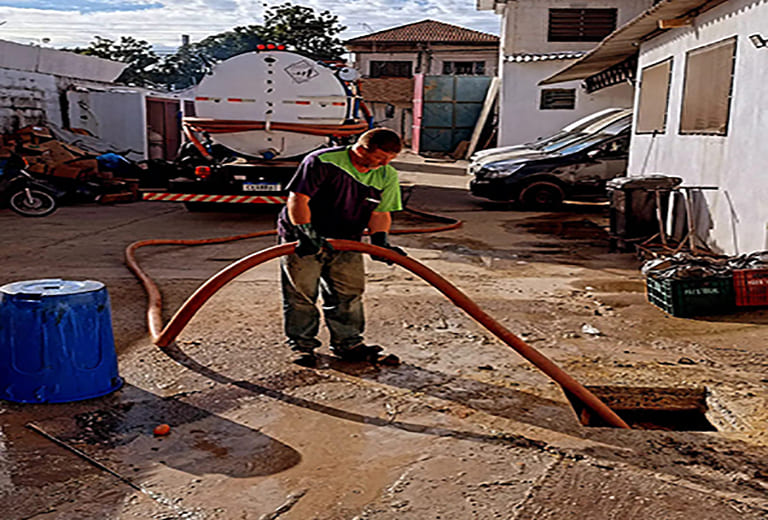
[649, 408]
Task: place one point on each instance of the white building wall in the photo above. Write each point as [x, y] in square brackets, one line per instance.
[524, 30]
[27, 98]
[527, 22]
[734, 219]
[522, 121]
[117, 118]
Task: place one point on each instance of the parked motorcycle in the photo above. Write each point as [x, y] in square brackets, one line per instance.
[22, 192]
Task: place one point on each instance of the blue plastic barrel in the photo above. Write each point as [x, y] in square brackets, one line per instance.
[56, 342]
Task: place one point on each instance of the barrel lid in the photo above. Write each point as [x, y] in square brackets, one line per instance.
[50, 287]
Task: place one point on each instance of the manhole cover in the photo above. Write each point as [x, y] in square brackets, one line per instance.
[650, 408]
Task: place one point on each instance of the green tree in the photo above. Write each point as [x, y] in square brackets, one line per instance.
[299, 28]
[138, 54]
[191, 62]
[305, 31]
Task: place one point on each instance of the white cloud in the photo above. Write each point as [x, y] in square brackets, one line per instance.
[164, 26]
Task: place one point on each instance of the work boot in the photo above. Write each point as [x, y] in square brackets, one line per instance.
[308, 360]
[365, 353]
[359, 352]
[307, 357]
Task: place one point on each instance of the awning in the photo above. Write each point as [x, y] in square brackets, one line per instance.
[624, 41]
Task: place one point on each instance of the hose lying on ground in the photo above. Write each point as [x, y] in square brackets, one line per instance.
[164, 336]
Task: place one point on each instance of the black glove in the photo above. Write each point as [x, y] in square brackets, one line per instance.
[310, 242]
[381, 239]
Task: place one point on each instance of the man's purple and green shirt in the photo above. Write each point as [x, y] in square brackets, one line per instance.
[341, 198]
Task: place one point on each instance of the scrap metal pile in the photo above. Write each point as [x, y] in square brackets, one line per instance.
[80, 175]
[686, 266]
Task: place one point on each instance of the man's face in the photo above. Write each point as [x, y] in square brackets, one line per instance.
[376, 158]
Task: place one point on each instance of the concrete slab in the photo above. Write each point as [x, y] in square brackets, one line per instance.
[464, 428]
[411, 162]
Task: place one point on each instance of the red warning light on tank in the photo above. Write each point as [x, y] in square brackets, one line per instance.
[261, 47]
[281, 47]
[271, 46]
[203, 172]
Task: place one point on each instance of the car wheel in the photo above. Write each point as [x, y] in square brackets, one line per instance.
[542, 195]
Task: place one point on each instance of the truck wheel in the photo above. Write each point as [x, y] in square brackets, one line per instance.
[542, 195]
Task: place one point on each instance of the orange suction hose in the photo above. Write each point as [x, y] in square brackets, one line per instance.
[163, 337]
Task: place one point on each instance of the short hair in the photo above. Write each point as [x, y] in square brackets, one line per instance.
[381, 139]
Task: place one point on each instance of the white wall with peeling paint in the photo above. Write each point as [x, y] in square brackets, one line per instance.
[734, 218]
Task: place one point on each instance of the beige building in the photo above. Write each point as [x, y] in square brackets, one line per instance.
[388, 60]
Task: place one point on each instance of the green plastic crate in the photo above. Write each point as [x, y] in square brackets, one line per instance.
[692, 297]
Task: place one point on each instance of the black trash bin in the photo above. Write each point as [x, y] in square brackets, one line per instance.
[633, 207]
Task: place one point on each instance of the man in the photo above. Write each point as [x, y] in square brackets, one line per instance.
[336, 193]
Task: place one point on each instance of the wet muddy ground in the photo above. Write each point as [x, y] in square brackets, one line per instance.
[464, 428]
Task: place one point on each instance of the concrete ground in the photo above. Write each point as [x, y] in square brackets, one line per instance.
[463, 429]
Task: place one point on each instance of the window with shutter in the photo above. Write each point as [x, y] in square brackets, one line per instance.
[580, 25]
[558, 99]
[707, 88]
[654, 95]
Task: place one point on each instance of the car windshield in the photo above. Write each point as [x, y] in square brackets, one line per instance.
[619, 126]
[562, 142]
[583, 144]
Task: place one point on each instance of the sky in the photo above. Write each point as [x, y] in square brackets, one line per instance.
[74, 23]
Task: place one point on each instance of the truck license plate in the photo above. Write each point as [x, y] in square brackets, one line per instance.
[247, 186]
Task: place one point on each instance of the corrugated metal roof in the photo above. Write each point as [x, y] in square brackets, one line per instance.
[427, 31]
[624, 41]
[528, 56]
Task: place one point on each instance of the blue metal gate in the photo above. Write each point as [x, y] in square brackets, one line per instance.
[452, 105]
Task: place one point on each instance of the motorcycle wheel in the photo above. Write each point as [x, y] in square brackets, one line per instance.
[30, 202]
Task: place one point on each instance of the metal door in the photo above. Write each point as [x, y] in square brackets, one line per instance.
[452, 105]
[163, 128]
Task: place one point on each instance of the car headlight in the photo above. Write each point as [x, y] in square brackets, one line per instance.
[497, 170]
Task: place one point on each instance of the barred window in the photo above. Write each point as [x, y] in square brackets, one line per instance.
[391, 69]
[558, 99]
[580, 25]
[464, 68]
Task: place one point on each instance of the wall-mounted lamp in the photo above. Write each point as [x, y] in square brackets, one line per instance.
[757, 40]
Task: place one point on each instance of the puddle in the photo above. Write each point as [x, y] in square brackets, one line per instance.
[648, 408]
[578, 229]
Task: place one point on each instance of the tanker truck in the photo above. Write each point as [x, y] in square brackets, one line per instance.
[256, 116]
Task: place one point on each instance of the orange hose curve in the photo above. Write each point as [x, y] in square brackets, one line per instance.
[226, 126]
[196, 142]
[165, 336]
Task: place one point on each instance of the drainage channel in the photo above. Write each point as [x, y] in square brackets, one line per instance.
[650, 408]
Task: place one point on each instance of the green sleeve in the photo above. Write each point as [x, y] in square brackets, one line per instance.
[390, 195]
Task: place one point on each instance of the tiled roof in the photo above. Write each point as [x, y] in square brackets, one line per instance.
[427, 31]
[528, 56]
